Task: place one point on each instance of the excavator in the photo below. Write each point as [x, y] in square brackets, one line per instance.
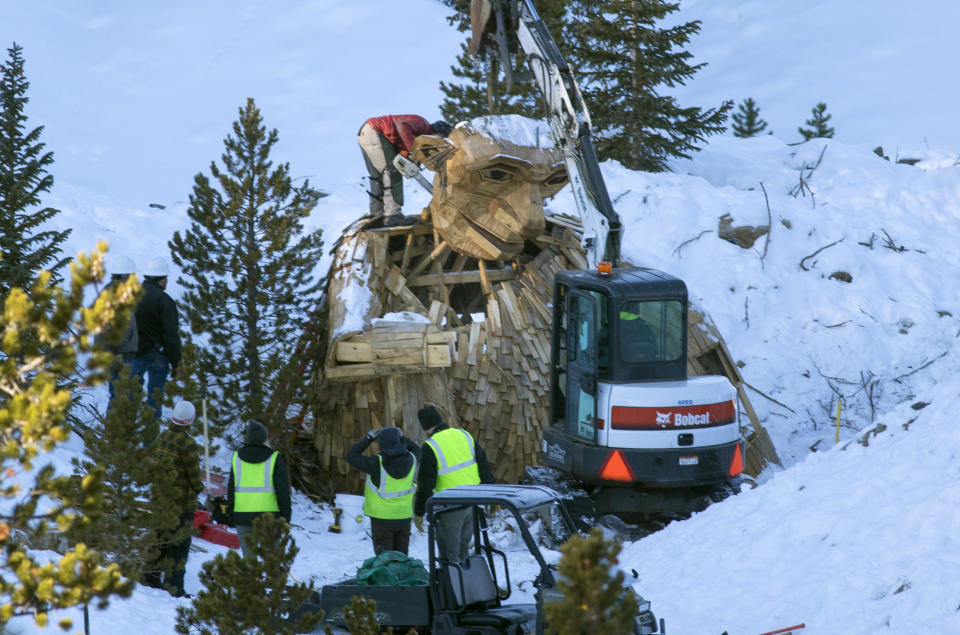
[627, 425]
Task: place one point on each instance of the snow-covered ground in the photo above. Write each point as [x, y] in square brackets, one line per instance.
[847, 539]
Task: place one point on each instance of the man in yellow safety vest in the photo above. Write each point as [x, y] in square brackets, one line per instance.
[453, 458]
[388, 492]
[258, 484]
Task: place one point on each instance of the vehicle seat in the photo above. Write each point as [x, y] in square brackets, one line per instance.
[501, 617]
[478, 589]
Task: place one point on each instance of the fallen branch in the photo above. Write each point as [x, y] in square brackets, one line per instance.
[765, 395]
[833, 326]
[769, 222]
[676, 252]
[806, 258]
[890, 244]
[917, 370]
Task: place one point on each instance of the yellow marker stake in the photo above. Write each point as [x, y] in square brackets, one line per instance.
[837, 439]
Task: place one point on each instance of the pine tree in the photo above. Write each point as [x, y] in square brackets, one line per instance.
[623, 63]
[137, 487]
[45, 330]
[244, 595]
[593, 600]
[27, 248]
[482, 91]
[818, 128]
[747, 121]
[247, 269]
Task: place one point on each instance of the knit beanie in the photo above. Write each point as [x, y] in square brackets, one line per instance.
[184, 413]
[391, 441]
[429, 417]
[256, 433]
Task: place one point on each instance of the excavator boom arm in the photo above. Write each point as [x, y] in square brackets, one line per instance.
[496, 24]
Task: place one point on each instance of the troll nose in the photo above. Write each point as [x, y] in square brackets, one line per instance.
[521, 209]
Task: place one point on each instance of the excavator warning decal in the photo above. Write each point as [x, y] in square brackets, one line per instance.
[666, 418]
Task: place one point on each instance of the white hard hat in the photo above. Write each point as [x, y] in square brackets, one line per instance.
[122, 266]
[184, 413]
[157, 268]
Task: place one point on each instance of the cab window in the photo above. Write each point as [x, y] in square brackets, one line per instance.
[650, 331]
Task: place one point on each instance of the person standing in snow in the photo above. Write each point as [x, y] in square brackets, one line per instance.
[454, 458]
[381, 139]
[180, 451]
[388, 492]
[258, 484]
[126, 348]
[158, 335]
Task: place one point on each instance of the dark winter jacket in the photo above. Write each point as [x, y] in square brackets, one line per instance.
[177, 446]
[396, 466]
[128, 344]
[427, 480]
[281, 483]
[158, 326]
[401, 130]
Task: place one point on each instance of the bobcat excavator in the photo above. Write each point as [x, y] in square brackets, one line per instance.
[627, 425]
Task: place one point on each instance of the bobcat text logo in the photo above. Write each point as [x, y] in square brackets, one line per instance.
[680, 420]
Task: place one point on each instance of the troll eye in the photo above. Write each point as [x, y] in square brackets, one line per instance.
[496, 174]
[557, 178]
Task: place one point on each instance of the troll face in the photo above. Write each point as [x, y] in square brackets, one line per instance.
[492, 176]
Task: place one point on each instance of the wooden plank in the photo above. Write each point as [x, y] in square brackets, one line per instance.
[473, 346]
[484, 281]
[398, 356]
[464, 277]
[493, 317]
[398, 326]
[349, 372]
[508, 302]
[437, 311]
[379, 253]
[439, 356]
[394, 281]
[419, 229]
[353, 351]
[459, 263]
[405, 260]
[439, 250]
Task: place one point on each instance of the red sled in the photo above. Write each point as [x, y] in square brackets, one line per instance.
[214, 532]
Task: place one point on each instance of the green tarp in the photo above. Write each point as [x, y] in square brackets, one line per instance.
[392, 568]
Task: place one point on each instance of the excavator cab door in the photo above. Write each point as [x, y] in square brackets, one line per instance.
[581, 376]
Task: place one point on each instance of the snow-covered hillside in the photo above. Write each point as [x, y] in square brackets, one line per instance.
[848, 539]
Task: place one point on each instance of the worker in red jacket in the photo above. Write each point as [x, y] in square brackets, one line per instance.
[381, 139]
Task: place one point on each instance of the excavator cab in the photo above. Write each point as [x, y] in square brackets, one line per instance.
[623, 412]
[626, 326]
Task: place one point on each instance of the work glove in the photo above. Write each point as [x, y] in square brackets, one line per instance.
[372, 435]
[418, 521]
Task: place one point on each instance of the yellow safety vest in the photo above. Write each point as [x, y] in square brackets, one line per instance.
[456, 458]
[253, 485]
[394, 497]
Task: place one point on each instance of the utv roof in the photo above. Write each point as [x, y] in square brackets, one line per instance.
[519, 497]
[631, 282]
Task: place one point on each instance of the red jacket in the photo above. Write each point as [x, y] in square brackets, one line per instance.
[401, 130]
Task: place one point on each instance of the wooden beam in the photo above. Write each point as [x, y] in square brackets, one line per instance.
[459, 263]
[484, 282]
[433, 255]
[429, 279]
[418, 229]
[405, 260]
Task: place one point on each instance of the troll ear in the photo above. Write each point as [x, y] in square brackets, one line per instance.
[432, 150]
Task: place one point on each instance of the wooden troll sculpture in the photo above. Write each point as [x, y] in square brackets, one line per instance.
[454, 310]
